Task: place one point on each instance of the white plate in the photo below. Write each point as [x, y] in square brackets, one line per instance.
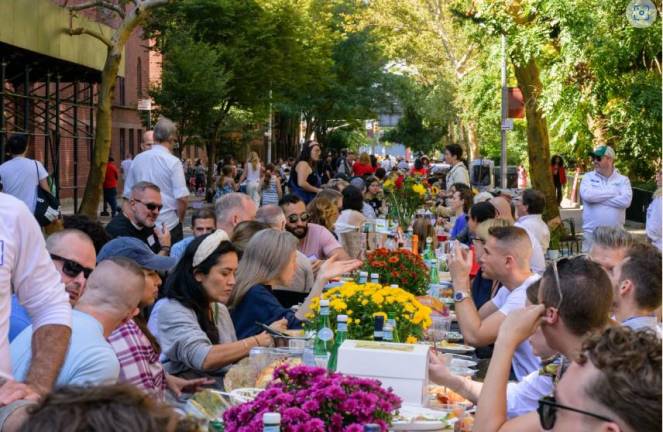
[418, 426]
[437, 420]
[456, 362]
[456, 348]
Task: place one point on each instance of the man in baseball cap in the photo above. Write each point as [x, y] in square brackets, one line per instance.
[605, 193]
[136, 348]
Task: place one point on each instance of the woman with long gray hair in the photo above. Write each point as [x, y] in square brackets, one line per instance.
[270, 259]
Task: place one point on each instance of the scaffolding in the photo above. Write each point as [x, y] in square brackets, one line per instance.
[53, 102]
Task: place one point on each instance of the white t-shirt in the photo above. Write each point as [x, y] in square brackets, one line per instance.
[160, 167]
[125, 165]
[20, 179]
[523, 397]
[524, 361]
[252, 175]
[27, 270]
[535, 225]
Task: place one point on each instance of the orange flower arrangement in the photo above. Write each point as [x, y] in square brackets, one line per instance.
[400, 267]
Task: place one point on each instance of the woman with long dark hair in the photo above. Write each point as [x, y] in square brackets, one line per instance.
[195, 331]
[304, 179]
[558, 175]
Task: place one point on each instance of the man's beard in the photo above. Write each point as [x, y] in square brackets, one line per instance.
[74, 290]
[298, 232]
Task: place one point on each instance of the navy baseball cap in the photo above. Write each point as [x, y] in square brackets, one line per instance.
[137, 250]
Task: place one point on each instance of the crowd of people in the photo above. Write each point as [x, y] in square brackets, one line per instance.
[95, 316]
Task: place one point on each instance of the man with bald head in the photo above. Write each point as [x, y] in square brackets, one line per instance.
[74, 256]
[233, 208]
[506, 259]
[148, 140]
[111, 297]
[272, 215]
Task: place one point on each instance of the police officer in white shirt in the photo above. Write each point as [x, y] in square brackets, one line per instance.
[157, 165]
[605, 194]
[27, 270]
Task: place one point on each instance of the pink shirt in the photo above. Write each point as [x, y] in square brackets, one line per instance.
[319, 242]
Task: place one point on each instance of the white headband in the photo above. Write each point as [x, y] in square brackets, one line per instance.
[209, 245]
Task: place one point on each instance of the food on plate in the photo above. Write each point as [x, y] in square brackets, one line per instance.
[433, 303]
[266, 374]
[209, 403]
[240, 375]
[446, 396]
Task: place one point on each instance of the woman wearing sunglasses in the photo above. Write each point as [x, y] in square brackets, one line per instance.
[270, 259]
[192, 323]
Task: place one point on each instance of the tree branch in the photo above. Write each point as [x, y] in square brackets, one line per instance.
[94, 34]
[98, 3]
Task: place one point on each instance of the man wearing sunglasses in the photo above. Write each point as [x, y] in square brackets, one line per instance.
[315, 241]
[74, 256]
[605, 193]
[575, 296]
[140, 221]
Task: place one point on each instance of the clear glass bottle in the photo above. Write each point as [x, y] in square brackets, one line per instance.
[271, 422]
[341, 335]
[375, 278]
[391, 320]
[324, 337]
[388, 332]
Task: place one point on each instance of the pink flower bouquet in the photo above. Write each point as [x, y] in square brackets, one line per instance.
[314, 400]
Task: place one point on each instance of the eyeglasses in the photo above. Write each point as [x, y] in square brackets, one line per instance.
[548, 407]
[293, 218]
[558, 285]
[597, 158]
[150, 206]
[71, 268]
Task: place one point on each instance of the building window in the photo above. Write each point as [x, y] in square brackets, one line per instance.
[139, 78]
[122, 94]
[131, 141]
[122, 143]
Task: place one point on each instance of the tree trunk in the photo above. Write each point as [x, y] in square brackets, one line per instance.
[102, 135]
[210, 147]
[538, 146]
[472, 140]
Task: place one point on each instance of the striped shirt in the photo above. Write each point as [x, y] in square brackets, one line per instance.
[269, 194]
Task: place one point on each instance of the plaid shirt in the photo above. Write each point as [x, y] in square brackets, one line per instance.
[139, 363]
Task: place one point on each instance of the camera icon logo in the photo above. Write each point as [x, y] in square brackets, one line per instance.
[641, 13]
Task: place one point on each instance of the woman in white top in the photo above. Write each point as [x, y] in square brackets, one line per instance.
[653, 226]
[351, 218]
[252, 174]
[458, 172]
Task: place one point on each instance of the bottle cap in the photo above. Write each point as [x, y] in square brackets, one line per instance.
[324, 303]
[363, 273]
[434, 260]
[342, 318]
[375, 276]
[429, 239]
[394, 285]
[271, 418]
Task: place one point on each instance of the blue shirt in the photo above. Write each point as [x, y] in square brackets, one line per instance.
[90, 358]
[18, 320]
[259, 304]
[178, 248]
[459, 226]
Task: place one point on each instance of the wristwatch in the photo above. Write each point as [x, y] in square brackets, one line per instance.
[459, 296]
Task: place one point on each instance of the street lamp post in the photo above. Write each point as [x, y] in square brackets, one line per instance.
[505, 114]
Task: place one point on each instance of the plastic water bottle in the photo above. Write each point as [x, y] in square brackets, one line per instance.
[375, 278]
[363, 277]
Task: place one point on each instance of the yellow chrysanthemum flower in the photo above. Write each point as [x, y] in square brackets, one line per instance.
[411, 340]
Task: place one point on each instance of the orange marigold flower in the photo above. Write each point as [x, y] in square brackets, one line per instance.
[393, 259]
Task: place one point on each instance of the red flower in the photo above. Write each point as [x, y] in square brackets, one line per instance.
[393, 259]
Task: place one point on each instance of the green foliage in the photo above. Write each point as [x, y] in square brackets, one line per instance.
[180, 95]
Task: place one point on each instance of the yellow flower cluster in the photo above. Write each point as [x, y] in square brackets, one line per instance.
[369, 300]
[419, 188]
